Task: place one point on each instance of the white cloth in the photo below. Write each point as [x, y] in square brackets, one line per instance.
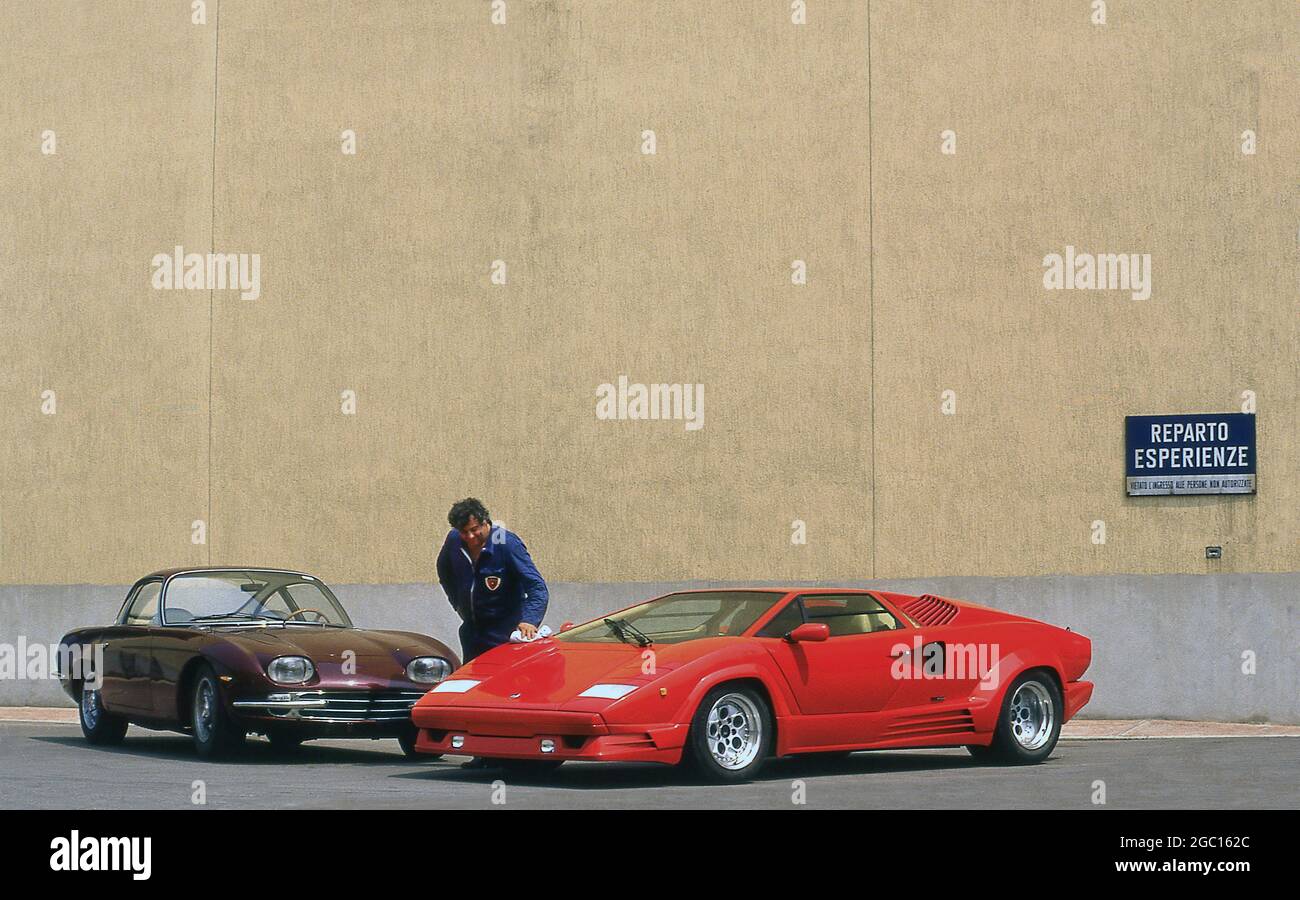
[517, 638]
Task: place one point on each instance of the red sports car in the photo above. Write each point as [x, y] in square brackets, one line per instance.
[725, 679]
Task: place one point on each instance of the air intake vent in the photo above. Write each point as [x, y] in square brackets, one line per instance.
[957, 721]
[931, 610]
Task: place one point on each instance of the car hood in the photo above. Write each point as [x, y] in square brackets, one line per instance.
[550, 674]
[326, 646]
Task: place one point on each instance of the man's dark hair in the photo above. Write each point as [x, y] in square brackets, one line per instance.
[461, 511]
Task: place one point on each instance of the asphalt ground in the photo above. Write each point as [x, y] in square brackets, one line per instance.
[50, 766]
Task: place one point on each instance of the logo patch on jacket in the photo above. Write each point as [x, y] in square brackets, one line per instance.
[492, 582]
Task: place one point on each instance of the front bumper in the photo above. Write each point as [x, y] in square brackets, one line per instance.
[543, 734]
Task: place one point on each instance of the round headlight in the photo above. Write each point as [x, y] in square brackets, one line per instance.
[290, 669]
[428, 669]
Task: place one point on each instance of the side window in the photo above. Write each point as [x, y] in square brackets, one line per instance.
[849, 613]
[144, 607]
[784, 622]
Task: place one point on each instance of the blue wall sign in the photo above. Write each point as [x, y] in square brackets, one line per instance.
[1202, 453]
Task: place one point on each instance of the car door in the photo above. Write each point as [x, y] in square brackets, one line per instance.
[128, 666]
[849, 674]
[171, 647]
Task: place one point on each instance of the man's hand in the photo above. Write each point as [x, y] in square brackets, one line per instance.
[527, 630]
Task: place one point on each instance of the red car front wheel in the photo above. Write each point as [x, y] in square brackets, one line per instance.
[731, 734]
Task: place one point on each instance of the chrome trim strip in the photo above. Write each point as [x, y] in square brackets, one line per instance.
[278, 704]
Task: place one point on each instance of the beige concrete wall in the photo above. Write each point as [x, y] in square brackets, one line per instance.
[1123, 138]
[522, 142]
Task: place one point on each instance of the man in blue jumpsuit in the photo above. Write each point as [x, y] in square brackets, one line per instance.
[489, 579]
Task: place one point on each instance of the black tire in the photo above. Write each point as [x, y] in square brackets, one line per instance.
[407, 741]
[98, 724]
[705, 750]
[526, 768]
[215, 735]
[1020, 738]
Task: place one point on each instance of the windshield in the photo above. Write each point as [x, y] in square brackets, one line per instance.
[676, 618]
[251, 596]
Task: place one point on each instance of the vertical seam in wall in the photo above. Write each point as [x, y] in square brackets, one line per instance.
[871, 288]
[212, 248]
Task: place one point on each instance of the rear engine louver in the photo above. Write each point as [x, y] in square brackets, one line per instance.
[931, 610]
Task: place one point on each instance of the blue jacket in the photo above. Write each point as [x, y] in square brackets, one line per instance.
[503, 589]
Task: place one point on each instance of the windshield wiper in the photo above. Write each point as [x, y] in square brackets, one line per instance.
[618, 628]
[645, 639]
[622, 629]
[233, 617]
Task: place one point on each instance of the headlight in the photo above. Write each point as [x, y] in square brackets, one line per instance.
[608, 691]
[290, 669]
[428, 669]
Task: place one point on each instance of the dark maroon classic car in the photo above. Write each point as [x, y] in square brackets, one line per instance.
[221, 652]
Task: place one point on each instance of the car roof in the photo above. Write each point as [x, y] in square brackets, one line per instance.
[888, 596]
[182, 570]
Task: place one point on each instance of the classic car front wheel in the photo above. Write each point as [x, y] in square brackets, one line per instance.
[98, 724]
[214, 733]
[731, 734]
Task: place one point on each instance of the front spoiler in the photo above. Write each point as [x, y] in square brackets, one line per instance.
[519, 734]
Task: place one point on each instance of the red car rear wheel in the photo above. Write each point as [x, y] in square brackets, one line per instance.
[1030, 723]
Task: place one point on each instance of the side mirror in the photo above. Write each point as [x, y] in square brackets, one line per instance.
[566, 626]
[812, 632]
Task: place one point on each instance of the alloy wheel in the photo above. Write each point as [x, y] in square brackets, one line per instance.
[734, 731]
[1032, 715]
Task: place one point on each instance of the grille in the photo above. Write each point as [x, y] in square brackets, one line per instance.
[931, 610]
[359, 706]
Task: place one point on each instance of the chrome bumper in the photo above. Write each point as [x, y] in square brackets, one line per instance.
[333, 706]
